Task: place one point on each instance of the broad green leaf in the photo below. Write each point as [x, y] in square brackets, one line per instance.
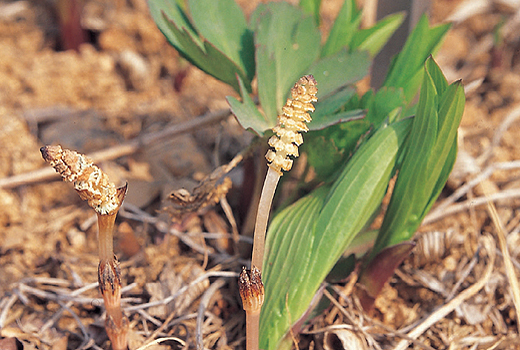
[316, 239]
[382, 103]
[287, 42]
[199, 52]
[373, 39]
[345, 25]
[315, 148]
[409, 62]
[208, 58]
[246, 112]
[339, 70]
[339, 117]
[164, 10]
[328, 111]
[289, 233]
[223, 24]
[340, 140]
[311, 7]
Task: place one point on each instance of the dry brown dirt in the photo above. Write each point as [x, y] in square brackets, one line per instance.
[125, 86]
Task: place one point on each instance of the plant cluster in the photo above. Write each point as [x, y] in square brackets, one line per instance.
[356, 143]
[353, 158]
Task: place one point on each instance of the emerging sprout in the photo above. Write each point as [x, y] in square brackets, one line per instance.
[284, 145]
[251, 290]
[94, 186]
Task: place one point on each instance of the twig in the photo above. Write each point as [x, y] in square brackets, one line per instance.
[75, 299]
[464, 275]
[160, 340]
[121, 150]
[86, 335]
[437, 212]
[165, 301]
[499, 133]
[204, 302]
[509, 194]
[10, 302]
[510, 270]
[357, 326]
[455, 302]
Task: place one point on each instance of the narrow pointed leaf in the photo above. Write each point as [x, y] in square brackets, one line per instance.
[409, 62]
[373, 39]
[345, 25]
[428, 160]
[405, 208]
[439, 80]
[312, 7]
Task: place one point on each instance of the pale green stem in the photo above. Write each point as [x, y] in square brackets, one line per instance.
[262, 217]
[252, 330]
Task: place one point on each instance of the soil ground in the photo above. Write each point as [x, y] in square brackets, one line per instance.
[126, 84]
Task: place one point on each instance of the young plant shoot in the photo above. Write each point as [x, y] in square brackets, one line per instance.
[284, 144]
[94, 186]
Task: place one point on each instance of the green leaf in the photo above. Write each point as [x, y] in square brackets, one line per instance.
[407, 67]
[223, 24]
[289, 232]
[345, 25]
[339, 70]
[382, 103]
[428, 159]
[246, 112]
[315, 148]
[373, 39]
[337, 118]
[443, 177]
[328, 111]
[439, 80]
[287, 42]
[200, 52]
[340, 140]
[161, 11]
[311, 7]
[316, 239]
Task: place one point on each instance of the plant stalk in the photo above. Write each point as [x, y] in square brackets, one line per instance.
[262, 217]
[94, 186]
[109, 277]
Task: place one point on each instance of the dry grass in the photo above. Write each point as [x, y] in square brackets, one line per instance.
[458, 291]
